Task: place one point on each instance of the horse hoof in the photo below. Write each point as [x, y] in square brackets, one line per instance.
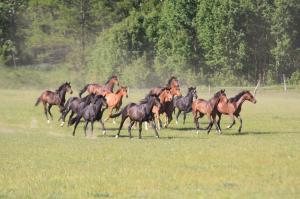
[114, 122]
[228, 127]
[157, 136]
[176, 122]
[104, 132]
[48, 121]
[116, 136]
[197, 132]
[62, 124]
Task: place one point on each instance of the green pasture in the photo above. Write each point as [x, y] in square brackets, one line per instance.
[40, 160]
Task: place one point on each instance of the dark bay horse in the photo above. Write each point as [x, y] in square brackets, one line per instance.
[185, 103]
[101, 89]
[90, 113]
[54, 98]
[74, 104]
[233, 107]
[138, 113]
[208, 108]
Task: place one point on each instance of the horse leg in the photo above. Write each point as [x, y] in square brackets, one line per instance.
[196, 121]
[155, 130]
[216, 123]
[157, 118]
[103, 127]
[129, 128]
[85, 127]
[241, 123]
[49, 108]
[211, 122]
[178, 113]
[184, 117]
[146, 126]
[109, 114]
[140, 130]
[121, 125]
[92, 127]
[233, 122]
[70, 118]
[75, 126]
[46, 112]
[219, 121]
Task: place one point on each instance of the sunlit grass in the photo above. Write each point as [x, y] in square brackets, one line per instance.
[40, 160]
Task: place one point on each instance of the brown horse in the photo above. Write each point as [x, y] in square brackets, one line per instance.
[233, 107]
[168, 107]
[114, 100]
[101, 89]
[208, 108]
[173, 84]
[54, 98]
[164, 98]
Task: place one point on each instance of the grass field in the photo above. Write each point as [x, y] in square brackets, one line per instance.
[40, 160]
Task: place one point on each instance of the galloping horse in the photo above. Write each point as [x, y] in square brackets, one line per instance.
[90, 113]
[208, 108]
[101, 89]
[165, 98]
[138, 113]
[185, 103]
[74, 104]
[168, 107]
[233, 107]
[54, 98]
[114, 100]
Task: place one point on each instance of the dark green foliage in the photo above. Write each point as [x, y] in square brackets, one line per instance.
[232, 42]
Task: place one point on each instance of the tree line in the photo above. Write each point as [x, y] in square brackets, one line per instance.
[230, 42]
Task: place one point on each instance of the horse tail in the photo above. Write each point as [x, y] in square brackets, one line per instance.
[83, 90]
[37, 101]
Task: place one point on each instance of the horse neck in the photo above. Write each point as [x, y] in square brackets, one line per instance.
[190, 96]
[240, 102]
[149, 106]
[162, 98]
[62, 95]
[213, 101]
[110, 86]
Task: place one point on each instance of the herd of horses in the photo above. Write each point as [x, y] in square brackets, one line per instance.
[160, 100]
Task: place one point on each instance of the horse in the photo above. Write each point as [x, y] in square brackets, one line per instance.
[101, 89]
[54, 98]
[164, 98]
[138, 113]
[233, 107]
[208, 108]
[185, 103]
[90, 113]
[74, 104]
[172, 83]
[114, 100]
[168, 108]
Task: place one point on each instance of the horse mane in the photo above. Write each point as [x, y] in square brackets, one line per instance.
[114, 76]
[238, 96]
[60, 87]
[171, 79]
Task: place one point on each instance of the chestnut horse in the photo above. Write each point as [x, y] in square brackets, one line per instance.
[54, 98]
[233, 107]
[168, 107]
[101, 89]
[114, 100]
[208, 108]
[164, 98]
